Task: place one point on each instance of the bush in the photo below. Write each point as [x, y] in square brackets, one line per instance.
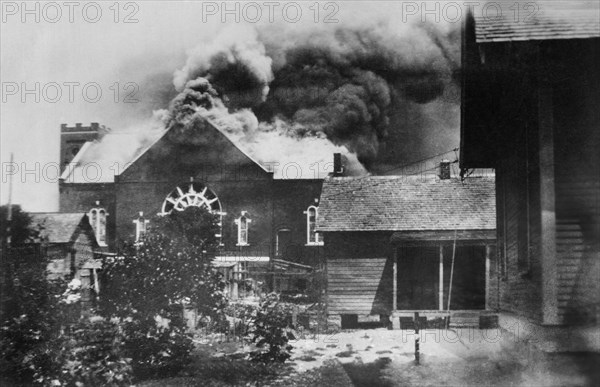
[157, 350]
[91, 353]
[23, 343]
[31, 315]
[86, 353]
[240, 318]
[169, 269]
[235, 372]
[273, 328]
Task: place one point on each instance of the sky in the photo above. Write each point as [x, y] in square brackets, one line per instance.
[101, 51]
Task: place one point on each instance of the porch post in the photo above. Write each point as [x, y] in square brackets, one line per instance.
[441, 280]
[487, 276]
[547, 204]
[395, 280]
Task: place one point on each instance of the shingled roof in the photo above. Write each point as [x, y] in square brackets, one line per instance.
[406, 203]
[57, 227]
[536, 20]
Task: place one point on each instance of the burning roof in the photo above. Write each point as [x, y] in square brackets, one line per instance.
[97, 161]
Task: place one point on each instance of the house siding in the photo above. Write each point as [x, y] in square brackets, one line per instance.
[577, 169]
[538, 100]
[359, 273]
[520, 286]
[354, 285]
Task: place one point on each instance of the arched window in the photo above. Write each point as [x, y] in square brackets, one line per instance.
[191, 195]
[97, 217]
[141, 225]
[194, 195]
[242, 224]
[313, 238]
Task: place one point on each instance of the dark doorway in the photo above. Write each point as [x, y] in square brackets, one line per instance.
[468, 285]
[283, 242]
[417, 277]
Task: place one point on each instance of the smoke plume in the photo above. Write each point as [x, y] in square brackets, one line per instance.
[379, 91]
[325, 90]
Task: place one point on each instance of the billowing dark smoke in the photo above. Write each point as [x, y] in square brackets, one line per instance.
[274, 142]
[336, 87]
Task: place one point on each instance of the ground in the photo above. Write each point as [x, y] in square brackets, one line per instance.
[385, 358]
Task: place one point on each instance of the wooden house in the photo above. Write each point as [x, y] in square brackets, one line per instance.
[531, 110]
[70, 244]
[392, 241]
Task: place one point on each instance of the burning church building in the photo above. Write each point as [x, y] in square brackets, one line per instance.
[262, 216]
[250, 133]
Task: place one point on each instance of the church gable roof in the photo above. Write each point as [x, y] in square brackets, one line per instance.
[201, 148]
[119, 153]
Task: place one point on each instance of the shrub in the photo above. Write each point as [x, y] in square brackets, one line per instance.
[30, 313]
[273, 329]
[170, 268]
[235, 372]
[23, 350]
[157, 349]
[84, 352]
[91, 353]
[240, 318]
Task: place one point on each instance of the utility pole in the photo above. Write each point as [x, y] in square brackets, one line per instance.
[9, 210]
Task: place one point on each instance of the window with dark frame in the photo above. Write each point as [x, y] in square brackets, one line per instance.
[97, 218]
[313, 238]
[243, 225]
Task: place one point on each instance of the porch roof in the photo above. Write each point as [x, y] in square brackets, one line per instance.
[536, 20]
[406, 203]
[442, 235]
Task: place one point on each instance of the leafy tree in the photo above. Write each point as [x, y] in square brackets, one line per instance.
[171, 265]
[21, 229]
[41, 341]
[28, 306]
[169, 268]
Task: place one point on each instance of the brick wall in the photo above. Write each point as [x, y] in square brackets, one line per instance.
[75, 197]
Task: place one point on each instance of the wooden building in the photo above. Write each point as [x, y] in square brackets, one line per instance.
[69, 242]
[391, 243]
[531, 110]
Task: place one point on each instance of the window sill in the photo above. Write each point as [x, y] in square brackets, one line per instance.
[242, 244]
[315, 244]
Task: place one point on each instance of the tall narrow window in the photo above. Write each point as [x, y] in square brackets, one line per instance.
[313, 238]
[242, 223]
[141, 225]
[97, 217]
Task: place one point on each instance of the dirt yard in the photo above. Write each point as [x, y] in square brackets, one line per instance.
[385, 358]
[464, 357]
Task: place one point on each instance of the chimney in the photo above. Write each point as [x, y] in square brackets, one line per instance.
[338, 168]
[445, 169]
